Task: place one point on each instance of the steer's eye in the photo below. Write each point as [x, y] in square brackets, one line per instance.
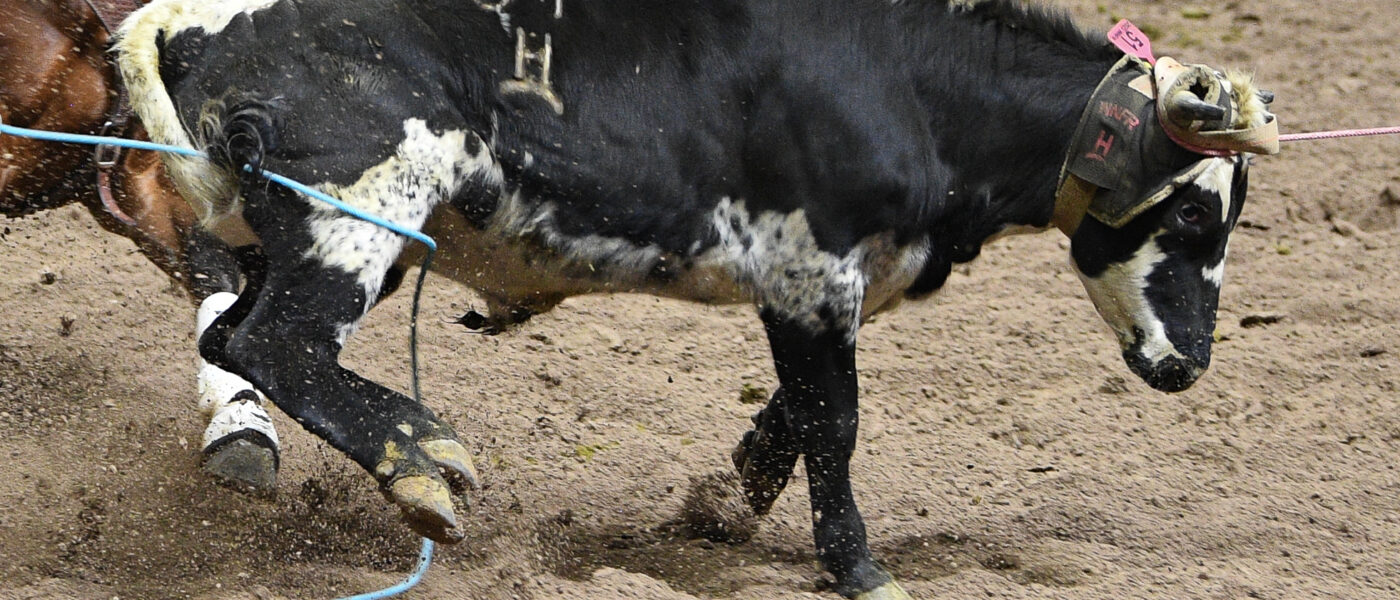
[1192, 214]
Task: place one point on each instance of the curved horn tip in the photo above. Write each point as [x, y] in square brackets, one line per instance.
[1266, 96]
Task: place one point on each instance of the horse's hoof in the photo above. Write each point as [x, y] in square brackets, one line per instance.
[245, 461]
[427, 508]
[889, 591]
[453, 459]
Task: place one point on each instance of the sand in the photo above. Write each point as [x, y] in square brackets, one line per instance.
[1005, 449]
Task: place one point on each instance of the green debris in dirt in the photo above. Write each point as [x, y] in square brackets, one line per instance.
[753, 394]
[586, 452]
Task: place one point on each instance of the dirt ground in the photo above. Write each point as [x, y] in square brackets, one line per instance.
[1005, 451]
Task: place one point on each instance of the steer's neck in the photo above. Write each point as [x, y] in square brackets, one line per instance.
[1005, 106]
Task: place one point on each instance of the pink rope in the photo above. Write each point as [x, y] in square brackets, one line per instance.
[1344, 133]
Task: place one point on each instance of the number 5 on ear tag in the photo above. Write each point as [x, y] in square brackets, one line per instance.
[1132, 41]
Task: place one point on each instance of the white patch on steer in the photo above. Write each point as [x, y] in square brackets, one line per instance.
[1119, 294]
[424, 170]
[618, 257]
[523, 260]
[211, 191]
[1219, 179]
[890, 270]
[523, 254]
[1216, 274]
[776, 256]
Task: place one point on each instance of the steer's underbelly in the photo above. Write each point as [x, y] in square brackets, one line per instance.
[523, 265]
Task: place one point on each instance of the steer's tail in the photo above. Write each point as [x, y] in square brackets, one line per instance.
[210, 186]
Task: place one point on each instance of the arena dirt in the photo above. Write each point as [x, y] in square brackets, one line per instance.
[1005, 449]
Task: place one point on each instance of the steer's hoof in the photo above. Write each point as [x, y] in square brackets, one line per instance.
[889, 591]
[245, 461]
[454, 460]
[761, 480]
[427, 508]
[740, 454]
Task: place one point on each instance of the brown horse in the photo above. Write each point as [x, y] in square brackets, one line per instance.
[56, 77]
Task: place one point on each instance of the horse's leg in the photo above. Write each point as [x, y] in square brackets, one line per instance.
[240, 446]
[6, 174]
[817, 370]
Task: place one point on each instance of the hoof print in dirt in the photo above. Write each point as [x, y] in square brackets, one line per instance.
[716, 510]
[477, 323]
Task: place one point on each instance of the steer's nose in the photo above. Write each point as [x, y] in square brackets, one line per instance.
[1173, 374]
[1170, 374]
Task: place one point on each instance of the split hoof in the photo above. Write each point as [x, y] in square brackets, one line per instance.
[245, 461]
[453, 460]
[761, 480]
[427, 509]
[889, 591]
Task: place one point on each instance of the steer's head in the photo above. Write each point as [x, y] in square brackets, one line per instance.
[1151, 247]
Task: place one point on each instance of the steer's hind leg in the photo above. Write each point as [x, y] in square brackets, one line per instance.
[288, 346]
[817, 370]
[323, 271]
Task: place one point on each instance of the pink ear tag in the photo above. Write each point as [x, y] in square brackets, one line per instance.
[1132, 41]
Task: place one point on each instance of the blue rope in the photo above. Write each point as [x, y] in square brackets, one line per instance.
[425, 558]
[425, 555]
[97, 140]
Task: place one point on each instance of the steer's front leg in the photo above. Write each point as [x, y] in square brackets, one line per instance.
[817, 371]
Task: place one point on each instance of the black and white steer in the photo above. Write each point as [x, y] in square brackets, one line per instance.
[821, 159]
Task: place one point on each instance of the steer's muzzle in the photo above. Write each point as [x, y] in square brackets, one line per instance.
[1171, 373]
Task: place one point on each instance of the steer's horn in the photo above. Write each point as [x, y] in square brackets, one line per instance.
[1191, 97]
[1202, 113]
[1186, 104]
